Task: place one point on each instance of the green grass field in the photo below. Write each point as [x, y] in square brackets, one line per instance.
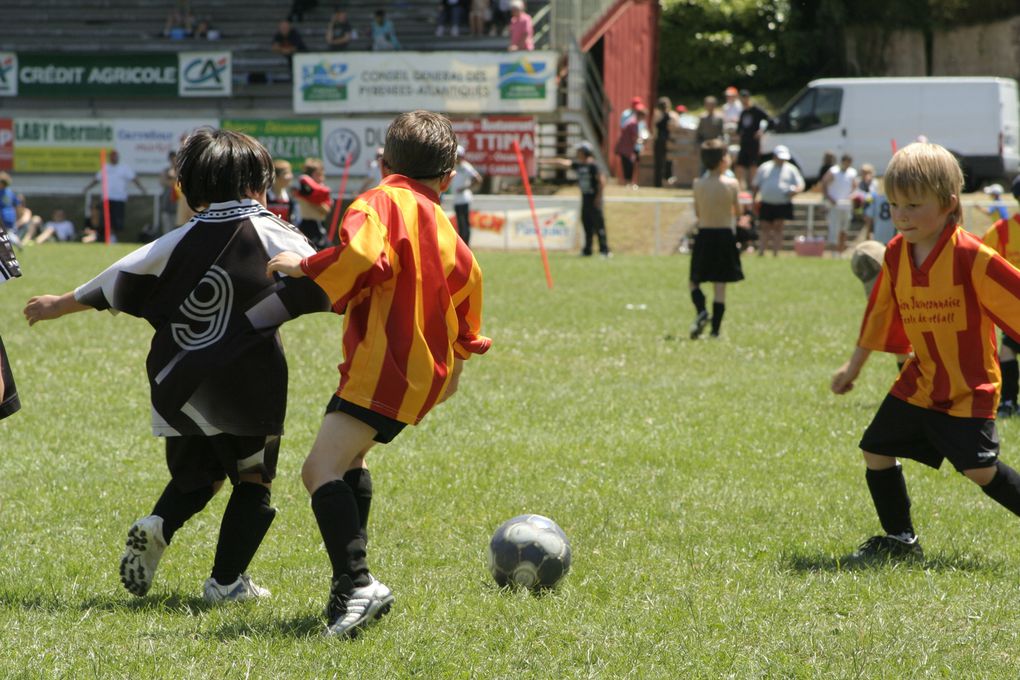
[709, 489]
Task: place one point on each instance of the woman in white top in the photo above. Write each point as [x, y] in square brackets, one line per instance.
[465, 180]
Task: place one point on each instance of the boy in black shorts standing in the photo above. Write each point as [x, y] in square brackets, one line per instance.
[716, 254]
[411, 294]
[591, 182]
[940, 294]
[217, 373]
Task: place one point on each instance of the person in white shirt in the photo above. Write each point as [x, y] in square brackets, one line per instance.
[731, 112]
[778, 181]
[464, 181]
[838, 186]
[118, 175]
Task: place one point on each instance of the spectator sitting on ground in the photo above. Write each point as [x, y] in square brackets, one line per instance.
[522, 31]
[27, 224]
[59, 228]
[339, 32]
[92, 231]
[287, 41]
[384, 36]
[997, 209]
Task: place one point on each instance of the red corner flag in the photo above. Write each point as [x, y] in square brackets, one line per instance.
[106, 196]
[339, 202]
[534, 215]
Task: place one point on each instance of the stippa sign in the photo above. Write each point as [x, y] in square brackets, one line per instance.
[489, 143]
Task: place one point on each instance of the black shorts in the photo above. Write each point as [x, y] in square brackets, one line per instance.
[196, 462]
[385, 428]
[1011, 343]
[769, 212]
[903, 430]
[715, 257]
[750, 152]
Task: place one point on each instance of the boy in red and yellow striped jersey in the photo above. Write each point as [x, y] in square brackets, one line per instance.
[1004, 238]
[940, 294]
[411, 294]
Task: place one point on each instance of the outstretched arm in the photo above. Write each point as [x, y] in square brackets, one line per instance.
[48, 307]
[843, 378]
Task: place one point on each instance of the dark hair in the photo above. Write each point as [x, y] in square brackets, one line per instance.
[222, 165]
[712, 153]
[420, 145]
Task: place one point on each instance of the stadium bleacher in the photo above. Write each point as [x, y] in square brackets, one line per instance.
[246, 28]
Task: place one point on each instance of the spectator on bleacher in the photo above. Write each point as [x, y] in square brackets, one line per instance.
[339, 32]
[287, 41]
[384, 36]
[59, 228]
[522, 30]
[117, 177]
[481, 12]
[500, 17]
[299, 7]
[204, 31]
[450, 13]
[179, 24]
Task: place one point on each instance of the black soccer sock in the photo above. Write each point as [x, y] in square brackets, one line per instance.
[1004, 488]
[889, 493]
[245, 523]
[718, 310]
[177, 507]
[698, 298]
[336, 513]
[1010, 378]
[360, 481]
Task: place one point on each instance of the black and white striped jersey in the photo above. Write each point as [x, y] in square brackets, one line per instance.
[9, 267]
[216, 364]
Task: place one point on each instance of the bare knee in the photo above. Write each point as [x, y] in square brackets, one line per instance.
[981, 476]
[875, 461]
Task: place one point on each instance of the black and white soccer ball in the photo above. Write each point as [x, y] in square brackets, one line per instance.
[530, 551]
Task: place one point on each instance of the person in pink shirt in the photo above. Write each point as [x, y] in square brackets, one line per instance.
[522, 31]
[627, 145]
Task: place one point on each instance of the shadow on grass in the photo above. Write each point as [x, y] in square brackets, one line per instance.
[58, 602]
[309, 625]
[819, 562]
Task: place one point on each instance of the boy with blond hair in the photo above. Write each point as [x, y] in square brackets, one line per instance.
[411, 294]
[939, 295]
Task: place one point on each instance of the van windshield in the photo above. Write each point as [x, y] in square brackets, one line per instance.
[813, 109]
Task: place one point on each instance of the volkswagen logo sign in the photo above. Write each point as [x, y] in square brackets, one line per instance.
[340, 144]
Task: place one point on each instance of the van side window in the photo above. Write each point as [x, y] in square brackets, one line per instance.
[817, 108]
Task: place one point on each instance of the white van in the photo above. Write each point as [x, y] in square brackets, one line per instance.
[978, 119]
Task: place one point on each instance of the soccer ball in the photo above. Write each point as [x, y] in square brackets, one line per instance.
[530, 551]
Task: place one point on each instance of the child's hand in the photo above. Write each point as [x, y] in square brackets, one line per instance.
[44, 308]
[843, 379]
[286, 263]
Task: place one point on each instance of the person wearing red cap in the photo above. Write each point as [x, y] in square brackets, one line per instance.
[628, 145]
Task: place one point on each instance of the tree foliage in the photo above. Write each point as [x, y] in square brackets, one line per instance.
[706, 45]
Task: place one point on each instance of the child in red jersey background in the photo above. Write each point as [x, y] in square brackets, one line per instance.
[1004, 238]
[411, 294]
[940, 293]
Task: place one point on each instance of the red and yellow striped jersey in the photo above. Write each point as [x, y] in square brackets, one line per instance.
[411, 294]
[945, 311]
[1004, 238]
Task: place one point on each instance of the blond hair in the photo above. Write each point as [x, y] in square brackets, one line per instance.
[923, 168]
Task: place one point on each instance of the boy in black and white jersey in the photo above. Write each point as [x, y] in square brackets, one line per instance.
[9, 269]
[217, 373]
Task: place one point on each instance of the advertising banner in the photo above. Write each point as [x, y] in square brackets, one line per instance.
[489, 143]
[60, 145]
[185, 74]
[8, 74]
[357, 137]
[499, 225]
[293, 140]
[6, 144]
[144, 143]
[452, 82]
[204, 74]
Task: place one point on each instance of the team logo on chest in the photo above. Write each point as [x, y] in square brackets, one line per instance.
[208, 307]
